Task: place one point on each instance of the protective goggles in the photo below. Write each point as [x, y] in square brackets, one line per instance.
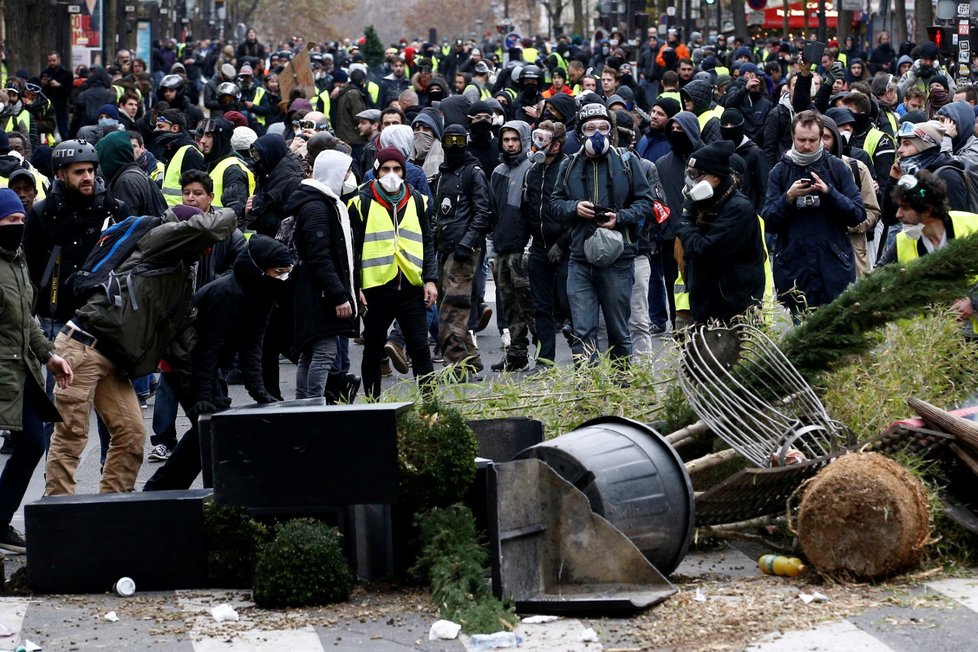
[453, 140]
[911, 130]
[597, 126]
[34, 88]
[910, 184]
[542, 138]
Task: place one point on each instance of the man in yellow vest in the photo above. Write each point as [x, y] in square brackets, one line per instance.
[233, 181]
[928, 225]
[179, 150]
[479, 88]
[398, 269]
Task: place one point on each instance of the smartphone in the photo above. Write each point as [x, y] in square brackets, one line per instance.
[806, 181]
[812, 52]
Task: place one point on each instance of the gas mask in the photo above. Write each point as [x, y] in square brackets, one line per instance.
[597, 145]
[697, 190]
[541, 141]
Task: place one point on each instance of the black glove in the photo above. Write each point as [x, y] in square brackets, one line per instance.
[203, 407]
[463, 254]
[554, 254]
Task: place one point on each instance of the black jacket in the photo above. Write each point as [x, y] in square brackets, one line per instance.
[132, 186]
[754, 106]
[462, 210]
[96, 92]
[754, 184]
[322, 276]
[232, 315]
[279, 174]
[544, 226]
[723, 252]
[235, 192]
[66, 227]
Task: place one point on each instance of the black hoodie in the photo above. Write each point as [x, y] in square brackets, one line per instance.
[279, 174]
[235, 189]
[96, 92]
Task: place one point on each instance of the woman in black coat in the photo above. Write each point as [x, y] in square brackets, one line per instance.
[325, 276]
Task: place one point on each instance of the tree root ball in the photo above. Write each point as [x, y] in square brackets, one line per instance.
[863, 516]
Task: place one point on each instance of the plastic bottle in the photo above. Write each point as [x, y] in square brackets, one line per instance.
[781, 565]
[494, 641]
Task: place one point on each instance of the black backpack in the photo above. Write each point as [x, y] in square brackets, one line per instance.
[112, 249]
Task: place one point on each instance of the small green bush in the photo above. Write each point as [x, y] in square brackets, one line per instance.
[436, 454]
[303, 566]
[233, 539]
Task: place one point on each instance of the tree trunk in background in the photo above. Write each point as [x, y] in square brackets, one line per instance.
[899, 33]
[30, 34]
[924, 17]
[787, 12]
[580, 18]
[845, 27]
[739, 17]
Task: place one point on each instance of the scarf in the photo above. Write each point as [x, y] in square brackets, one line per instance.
[344, 219]
[804, 160]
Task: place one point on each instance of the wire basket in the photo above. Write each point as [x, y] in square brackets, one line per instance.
[745, 389]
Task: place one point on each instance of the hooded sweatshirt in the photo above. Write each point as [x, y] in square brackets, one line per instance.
[510, 233]
[964, 145]
[402, 137]
[125, 179]
[672, 170]
[701, 94]
[96, 92]
[566, 106]
[279, 173]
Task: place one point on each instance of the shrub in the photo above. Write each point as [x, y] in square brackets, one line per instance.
[303, 566]
[233, 539]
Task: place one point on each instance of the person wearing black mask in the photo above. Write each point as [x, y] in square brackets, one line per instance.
[483, 143]
[880, 146]
[562, 108]
[437, 91]
[683, 133]
[756, 169]
[530, 100]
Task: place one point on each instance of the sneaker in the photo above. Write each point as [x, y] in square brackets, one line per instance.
[485, 314]
[505, 338]
[656, 330]
[143, 401]
[385, 368]
[397, 358]
[437, 356]
[568, 332]
[475, 339]
[511, 364]
[13, 540]
[160, 453]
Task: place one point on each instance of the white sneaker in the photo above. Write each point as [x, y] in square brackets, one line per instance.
[475, 339]
[505, 338]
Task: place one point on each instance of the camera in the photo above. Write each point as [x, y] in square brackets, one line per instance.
[601, 213]
[808, 201]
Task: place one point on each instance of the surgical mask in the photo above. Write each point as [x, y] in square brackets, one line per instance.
[11, 236]
[108, 123]
[697, 190]
[597, 145]
[283, 277]
[391, 182]
[846, 135]
[913, 231]
[349, 184]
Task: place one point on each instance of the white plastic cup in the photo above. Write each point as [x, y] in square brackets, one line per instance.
[124, 587]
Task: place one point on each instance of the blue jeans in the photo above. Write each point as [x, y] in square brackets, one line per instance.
[30, 443]
[342, 360]
[165, 415]
[315, 361]
[658, 299]
[609, 288]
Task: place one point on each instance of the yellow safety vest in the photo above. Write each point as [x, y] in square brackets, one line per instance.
[156, 174]
[259, 94]
[373, 90]
[892, 119]
[705, 117]
[324, 102]
[121, 90]
[530, 55]
[872, 141]
[484, 93]
[12, 122]
[389, 246]
[217, 175]
[39, 182]
[844, 58]
[172, 191]
[674, 95]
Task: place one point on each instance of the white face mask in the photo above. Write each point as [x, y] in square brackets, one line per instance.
[349, 184]
[391, 182]
[913, 231]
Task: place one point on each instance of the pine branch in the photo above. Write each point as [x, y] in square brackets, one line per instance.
[893, 292]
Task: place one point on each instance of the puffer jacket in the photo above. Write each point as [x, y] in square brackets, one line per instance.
[509, 232]
[545, 228]
[22, 344]
[462, 212]
[155, 308]
[627, 191]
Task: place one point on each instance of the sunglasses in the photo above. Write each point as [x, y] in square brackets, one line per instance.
[596, 127]
[453, 140]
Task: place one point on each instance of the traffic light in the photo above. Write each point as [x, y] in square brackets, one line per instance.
[941, 36]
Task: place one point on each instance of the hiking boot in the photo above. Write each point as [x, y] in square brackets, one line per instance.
[160, 453]
[13, 540]
[511, 364]
[485, 314]
[396, 354]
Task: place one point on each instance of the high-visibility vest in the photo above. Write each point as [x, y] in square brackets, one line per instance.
[324, 103]
[844, 58]
[156, 174]
[721, 70]
[121, 90]
[872, 141]
[892, 119]
[217, 175]
[12, 122]
[259, 94]
[389, 246]
[39, 182]
[484, 93]
[674, 95]
[373, 90]
[530, 55]
[705, 117]
[172, 191]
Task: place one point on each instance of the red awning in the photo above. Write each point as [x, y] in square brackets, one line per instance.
[774, 15]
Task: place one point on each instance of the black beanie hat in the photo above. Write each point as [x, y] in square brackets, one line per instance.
[479, 107]
[268, 252]
[669, 105]
[732, 117]
[713, 158]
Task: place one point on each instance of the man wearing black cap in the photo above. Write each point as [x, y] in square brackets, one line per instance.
[24, 184]
[757, 169]
[179, 151]
[464, 215]
[233, 181]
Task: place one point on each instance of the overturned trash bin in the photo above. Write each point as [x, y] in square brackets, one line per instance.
[632, 477]
[552, 555]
